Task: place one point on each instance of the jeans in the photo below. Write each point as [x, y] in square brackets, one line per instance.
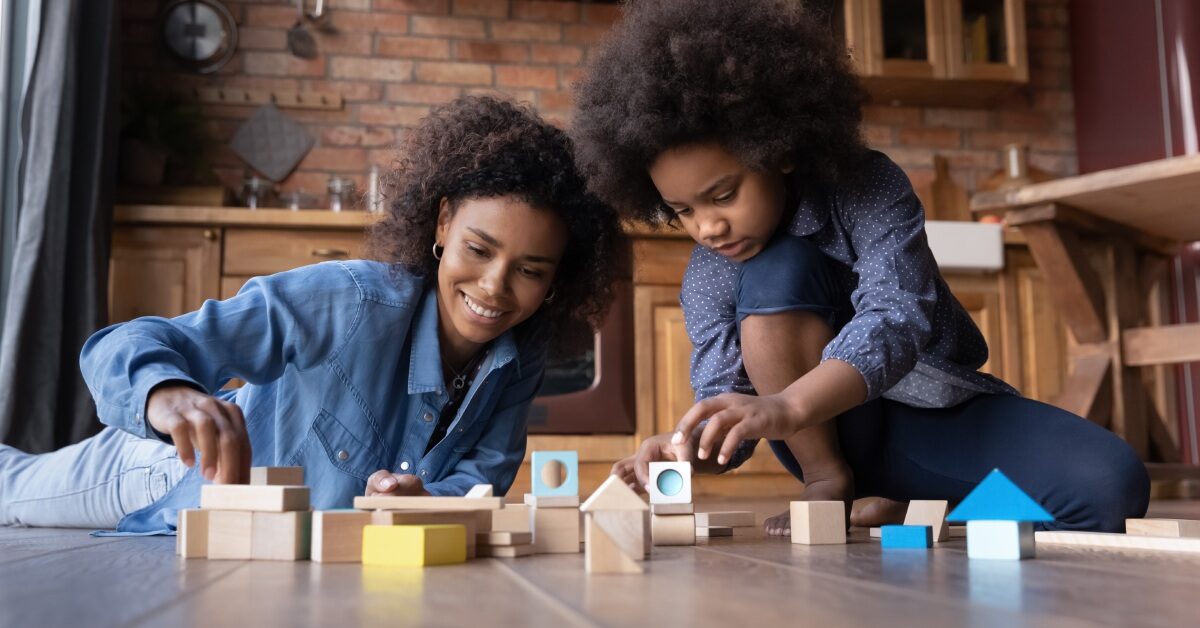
[91, 484]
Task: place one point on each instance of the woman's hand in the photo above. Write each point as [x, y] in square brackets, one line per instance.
[733, 418]
[196, 421]
[384, 482]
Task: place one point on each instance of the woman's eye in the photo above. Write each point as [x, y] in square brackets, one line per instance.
[476, 251]
[532, 273]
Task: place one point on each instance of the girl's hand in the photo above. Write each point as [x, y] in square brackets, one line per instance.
[733, 418]
[635, 470]
[194, 421]
[384, 482]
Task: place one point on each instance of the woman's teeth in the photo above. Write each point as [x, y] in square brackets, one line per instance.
[479, 309]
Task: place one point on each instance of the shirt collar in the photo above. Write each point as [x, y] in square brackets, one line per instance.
[425, 358]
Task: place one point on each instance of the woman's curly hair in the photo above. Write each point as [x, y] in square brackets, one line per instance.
[763, 78]
[484, 147]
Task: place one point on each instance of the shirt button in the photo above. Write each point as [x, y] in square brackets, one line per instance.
[404, 466]
[426, 472]
[343, 455]
[428, 416]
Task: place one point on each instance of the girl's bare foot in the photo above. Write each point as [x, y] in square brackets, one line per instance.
[835, 487]
[879, 512]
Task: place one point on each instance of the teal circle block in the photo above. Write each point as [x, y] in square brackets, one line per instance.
[670, 482]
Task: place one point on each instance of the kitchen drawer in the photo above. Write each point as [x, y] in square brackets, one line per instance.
[267, 251]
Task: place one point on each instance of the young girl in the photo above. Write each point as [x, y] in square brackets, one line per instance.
[410, 377]
[817, 314]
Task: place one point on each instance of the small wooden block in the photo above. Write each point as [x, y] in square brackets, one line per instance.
[555, 501]
[932, 513]
[731, 518]
[876, 533]
[818, 523]
[1186, 528]
[230, 533]
[277, 476]
[625, 529]
[494, 538]
[672, 509]
[480, 490]
[466, 518]
[281, 535]
[414, 545]
[505, 551]
[907, 537]
[673, 529]
[603, 553]
[670, 483]
[192, 533]
[1117, 541]
[258, 498]
[713, 531]
[337, 535]
[398, 502]
[1000, 540]
[511, 518]
[556, 530]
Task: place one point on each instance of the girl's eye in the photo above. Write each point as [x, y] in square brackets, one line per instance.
[724, 198]
[683, 211]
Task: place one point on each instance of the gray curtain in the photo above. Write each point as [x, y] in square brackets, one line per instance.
[57, 289]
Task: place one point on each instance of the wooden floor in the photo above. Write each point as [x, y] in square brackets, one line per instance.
[67, 578]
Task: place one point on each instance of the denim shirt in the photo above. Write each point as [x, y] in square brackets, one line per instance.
[343, 377]
[909, 338]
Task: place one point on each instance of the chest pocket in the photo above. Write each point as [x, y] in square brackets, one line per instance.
[347, 452]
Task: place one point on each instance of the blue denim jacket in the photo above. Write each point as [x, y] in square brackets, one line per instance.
[343, 377]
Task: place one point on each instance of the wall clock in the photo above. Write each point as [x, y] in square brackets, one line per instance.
[199, 33]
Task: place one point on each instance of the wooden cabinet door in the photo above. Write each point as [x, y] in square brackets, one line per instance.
[1040, 336]
[162, 271]
[899, 38]
[979, 294]
[985, 39]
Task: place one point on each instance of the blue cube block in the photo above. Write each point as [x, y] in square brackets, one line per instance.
[907, 537]
[570, 463]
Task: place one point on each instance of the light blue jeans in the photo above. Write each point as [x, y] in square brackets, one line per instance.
[91, 484]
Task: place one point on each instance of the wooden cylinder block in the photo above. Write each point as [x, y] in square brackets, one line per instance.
[673, 529]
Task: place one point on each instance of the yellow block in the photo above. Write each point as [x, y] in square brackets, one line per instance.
[414, 545]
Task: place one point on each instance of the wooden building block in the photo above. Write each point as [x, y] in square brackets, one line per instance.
[505, 551]
[248, 497]
[673, 509]
[623, 528]
[1163, 527]
[414, 545]
[731, 518]
[670, 483]
[277, 476]
[551, 501]
[673, 529]
[1000, 540]
[337, 535]
[230, 533]
[818, 523]
[191, 540]
[402, 502]
[605, 554]
[1117, 541]
[548, 467]
[556, 530]
[281, 535]
[480, 490]
[511, 518]
[932, 513]
[907, 537]
[466, 518]
[713, 531]
[503, 538]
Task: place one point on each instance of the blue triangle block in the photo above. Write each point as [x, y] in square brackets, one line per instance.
[998, 499]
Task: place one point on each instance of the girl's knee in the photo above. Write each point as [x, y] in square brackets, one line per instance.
[1112, 488]
[789, 274]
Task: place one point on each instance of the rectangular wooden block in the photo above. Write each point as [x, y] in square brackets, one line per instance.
[932, 513]
[672, 509]
[230, 533]
[248, 497]
[673, 529]
[505, 551]
[192, 534]
[1186, 528]
[907, 537]
[480, 490]
[337, 535]
[1000, 540]
[511, 518]
[414, 545]
[281, 535]
[731, 518]
[397, 502]
[551, 501]
[605, 554]
[556, 530]
[466, 518]
[713, 531]
[277, 476]
[1117, 541]
[818, 523]
[503, 538]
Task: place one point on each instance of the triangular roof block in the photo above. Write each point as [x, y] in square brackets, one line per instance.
[614, 494]
[998, 499]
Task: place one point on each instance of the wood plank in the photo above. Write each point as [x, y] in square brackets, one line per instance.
[395, 502]
[1077, 291]
[1123, 304]
[1168, 344]
[253, 497]
[1119, 541]
[1163, 527]
[1088, 389]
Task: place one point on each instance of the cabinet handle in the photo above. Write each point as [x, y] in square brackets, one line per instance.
[330, 253]
[210, 235]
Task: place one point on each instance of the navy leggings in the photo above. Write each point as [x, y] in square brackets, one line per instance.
[1083, 474]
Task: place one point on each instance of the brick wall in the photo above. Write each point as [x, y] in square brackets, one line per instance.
[392, 59]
